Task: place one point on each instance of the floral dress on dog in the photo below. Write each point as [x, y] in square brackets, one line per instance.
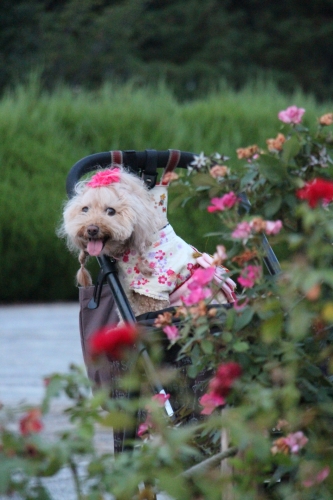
[172, 262]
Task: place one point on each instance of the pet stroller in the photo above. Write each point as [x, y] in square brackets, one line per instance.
[98, 303]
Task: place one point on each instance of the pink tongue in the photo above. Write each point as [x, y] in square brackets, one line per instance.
[95, 247]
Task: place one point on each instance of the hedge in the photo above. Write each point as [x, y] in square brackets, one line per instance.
[43, 134]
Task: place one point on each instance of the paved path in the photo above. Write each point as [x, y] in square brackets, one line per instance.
[35, 341]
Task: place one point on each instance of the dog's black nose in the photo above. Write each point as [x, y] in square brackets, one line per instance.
[92, 230]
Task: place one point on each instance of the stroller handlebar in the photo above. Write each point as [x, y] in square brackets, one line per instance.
[138, 161]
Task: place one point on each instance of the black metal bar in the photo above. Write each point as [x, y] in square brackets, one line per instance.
[270, 259]
[109, 269]
[135, 160]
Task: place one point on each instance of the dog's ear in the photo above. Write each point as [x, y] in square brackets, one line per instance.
[148, 220]
[83, 277]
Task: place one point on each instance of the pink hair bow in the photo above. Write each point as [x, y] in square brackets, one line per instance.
[104, 178]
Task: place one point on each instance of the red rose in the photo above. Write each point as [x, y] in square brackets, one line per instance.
[225, 375]
[316, 191]
[31, 422]
[220, 386]
[113, 341]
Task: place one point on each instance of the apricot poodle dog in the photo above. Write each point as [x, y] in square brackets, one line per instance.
[115, 214]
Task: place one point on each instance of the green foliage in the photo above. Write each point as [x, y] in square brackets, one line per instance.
[191, 44]
[44, 134]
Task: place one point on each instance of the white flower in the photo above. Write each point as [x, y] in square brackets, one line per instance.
[216, 156]
[199, 161]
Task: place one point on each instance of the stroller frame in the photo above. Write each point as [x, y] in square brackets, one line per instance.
[145, 164]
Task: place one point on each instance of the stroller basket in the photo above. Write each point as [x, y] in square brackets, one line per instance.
[145, 164]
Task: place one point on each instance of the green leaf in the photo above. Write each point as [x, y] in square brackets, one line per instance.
[272, 168]
[117, 420]
[38, 492]
[240, 346]
[214, 191]
[192, 371]
[271, 328]
[52, 465]
[98, 399]
[200, 330]
[243, 319]
[272, 205]
[178, 202]
[207, 346]
[299, 321]
[227, 337]
[231, 316]
[200, 180]
[53, 389]
[248, 178]
[290, 149]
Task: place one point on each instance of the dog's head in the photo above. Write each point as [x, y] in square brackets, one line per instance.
[109, 214]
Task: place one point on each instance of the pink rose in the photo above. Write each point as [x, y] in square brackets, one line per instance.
[242, 231]
[229, 199]
[293, 114]
[296, 441]
[171, 332]
[249, 276]
[216, 204]
[201, 277]
[196, 295]
[144, 427]
[161, 398]
[210, 402]
[226, 201]
[318, 478]
[273, 227]
[239, 305]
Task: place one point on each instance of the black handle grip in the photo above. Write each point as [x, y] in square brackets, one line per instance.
[135, 160]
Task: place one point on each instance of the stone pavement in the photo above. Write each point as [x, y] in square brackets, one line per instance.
[35, 341]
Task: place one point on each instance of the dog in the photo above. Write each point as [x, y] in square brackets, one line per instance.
[115, 214]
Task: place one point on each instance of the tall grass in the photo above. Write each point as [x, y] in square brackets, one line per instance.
[43, 134]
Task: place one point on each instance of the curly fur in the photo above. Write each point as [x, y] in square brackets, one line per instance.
[131, 227]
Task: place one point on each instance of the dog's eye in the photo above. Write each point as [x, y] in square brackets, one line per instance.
[110, 211]
[85, 209]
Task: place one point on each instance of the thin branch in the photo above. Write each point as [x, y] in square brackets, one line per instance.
[77, 484]
[210, 462]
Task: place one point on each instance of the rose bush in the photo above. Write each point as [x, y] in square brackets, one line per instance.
[268, 389]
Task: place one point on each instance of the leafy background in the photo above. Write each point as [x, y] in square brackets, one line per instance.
[43, 133]
[190, 44]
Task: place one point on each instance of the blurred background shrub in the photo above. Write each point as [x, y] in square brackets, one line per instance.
[43, 133]
[191, 44]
